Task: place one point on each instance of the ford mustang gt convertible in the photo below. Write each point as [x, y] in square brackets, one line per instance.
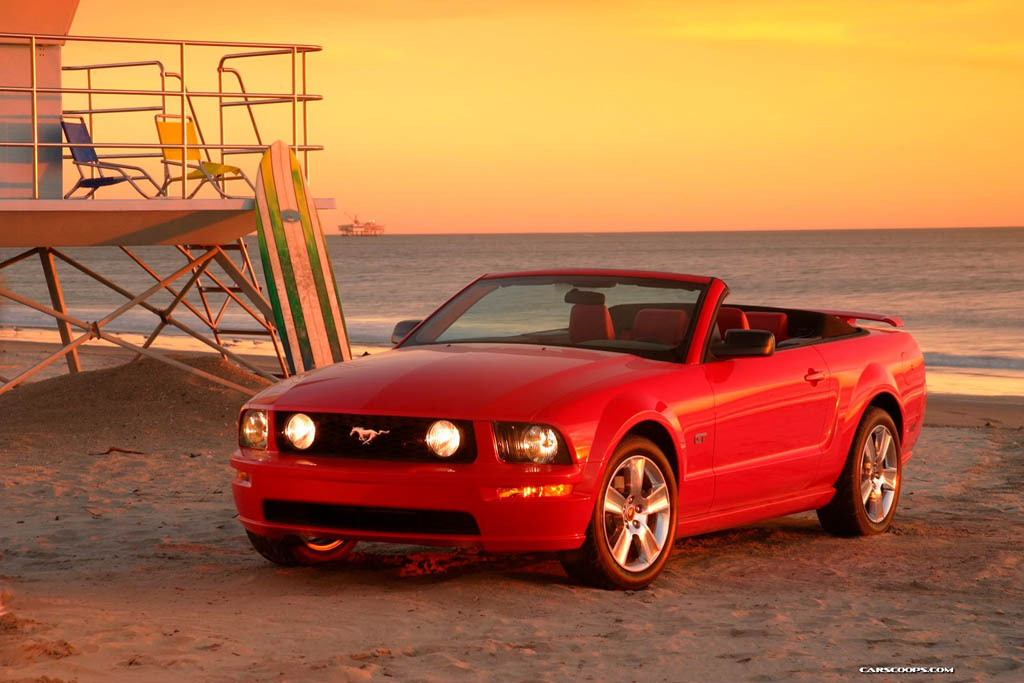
[598, 413]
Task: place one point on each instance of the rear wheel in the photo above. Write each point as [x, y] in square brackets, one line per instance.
[634, 521]
[301, 550]
[868, 490]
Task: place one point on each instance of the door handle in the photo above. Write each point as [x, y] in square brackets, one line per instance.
[813, 376]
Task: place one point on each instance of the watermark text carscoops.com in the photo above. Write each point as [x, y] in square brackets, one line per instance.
[907, 669]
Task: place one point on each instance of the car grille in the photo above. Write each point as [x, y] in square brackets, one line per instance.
[404, 440]
[358, 518]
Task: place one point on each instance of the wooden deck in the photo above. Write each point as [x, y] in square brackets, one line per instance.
[128, 222]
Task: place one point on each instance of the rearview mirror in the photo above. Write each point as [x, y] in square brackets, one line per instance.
[402, 330]
[582, 296]
[742, 343]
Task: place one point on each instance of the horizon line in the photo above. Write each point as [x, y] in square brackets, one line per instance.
[696, 230]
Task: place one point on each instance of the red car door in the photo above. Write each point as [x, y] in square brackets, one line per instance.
[771, 416]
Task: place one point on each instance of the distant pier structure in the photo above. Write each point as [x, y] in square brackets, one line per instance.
[140, 151]
[359, 228]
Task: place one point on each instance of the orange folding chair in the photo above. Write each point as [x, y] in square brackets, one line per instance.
[168, 128]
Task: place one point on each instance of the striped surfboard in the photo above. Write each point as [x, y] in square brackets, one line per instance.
[300, 281]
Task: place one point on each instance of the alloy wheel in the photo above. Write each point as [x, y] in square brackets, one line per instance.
[879, 474]
[637, 508]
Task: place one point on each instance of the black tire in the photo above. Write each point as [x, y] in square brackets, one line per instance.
[594, 563]
[847, 513]
[291, 550]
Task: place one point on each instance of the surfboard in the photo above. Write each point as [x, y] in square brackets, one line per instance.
[300, 281]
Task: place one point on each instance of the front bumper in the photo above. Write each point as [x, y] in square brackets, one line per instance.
[409, 502]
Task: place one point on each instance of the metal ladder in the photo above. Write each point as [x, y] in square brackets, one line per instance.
[230, 292]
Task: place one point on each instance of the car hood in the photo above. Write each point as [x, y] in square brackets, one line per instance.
[461, 381]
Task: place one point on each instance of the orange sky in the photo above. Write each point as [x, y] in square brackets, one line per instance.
[533, 115]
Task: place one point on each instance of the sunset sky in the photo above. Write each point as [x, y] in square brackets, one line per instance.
[590, 116]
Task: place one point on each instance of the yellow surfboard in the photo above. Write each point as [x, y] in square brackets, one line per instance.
[300, 280]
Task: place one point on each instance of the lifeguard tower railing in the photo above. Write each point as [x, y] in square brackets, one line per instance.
[34, 215]
[297, 98]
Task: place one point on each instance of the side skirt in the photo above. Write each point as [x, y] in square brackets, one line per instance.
[727, 519]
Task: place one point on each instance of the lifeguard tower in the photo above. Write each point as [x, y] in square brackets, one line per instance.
[87, 162]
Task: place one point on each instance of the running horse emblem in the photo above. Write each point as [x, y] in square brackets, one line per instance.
[366, 436]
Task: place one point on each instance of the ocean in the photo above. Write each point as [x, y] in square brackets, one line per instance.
[959, 291]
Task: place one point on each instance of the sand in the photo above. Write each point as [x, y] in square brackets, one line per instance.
[121, 565]
[946, 410]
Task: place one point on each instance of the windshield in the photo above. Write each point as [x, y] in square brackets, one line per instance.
[645, 316]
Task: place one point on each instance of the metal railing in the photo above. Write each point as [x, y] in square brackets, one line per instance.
[297, 98]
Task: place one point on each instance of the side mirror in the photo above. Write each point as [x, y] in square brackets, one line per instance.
[402, 330]
[743, 343]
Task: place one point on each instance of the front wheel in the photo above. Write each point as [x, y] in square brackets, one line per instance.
[634, 521]
[301, 550]
[868, 489]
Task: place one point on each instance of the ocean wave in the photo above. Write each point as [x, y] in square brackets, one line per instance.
[951, 360]
[370, 330]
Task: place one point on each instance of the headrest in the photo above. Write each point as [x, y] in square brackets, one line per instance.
[732, 319]
[775, 322]
[667, 325]
[590, 321]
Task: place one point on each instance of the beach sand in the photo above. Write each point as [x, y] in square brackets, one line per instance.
[122, 565]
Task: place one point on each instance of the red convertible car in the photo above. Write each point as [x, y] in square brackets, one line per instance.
[598, 413]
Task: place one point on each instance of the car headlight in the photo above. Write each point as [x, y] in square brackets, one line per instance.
[252, 429]
[525, 442]
[444, 438]
[300, 430]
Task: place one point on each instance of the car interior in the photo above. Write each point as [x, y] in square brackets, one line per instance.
[668, 324]
[657, 329]
[791, 327]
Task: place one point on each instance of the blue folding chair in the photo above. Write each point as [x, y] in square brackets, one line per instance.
[77, 133]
